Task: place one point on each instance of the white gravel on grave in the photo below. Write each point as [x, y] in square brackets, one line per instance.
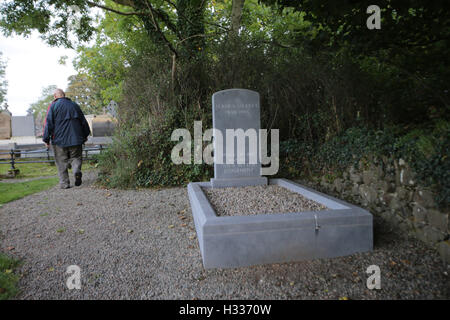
[253, 200]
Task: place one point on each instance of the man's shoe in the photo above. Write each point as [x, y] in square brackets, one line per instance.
[78, 179]
[66, 186]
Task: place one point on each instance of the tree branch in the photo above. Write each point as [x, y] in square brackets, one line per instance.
[156, 25]
[93, 4]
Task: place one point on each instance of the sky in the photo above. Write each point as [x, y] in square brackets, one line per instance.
[31, 66]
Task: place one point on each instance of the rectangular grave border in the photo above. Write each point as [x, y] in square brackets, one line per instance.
[237, 241]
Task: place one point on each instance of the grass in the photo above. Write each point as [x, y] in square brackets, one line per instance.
[13, 191]
[34, 170]
[8, 280]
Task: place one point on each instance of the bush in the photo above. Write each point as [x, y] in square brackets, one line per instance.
[141, 157]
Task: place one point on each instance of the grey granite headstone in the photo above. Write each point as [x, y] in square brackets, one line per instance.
[23, 126]
[236, 109]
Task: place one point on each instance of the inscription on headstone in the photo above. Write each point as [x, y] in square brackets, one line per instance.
[236, 115]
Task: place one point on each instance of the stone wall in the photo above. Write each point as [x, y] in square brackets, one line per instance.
[388, 188]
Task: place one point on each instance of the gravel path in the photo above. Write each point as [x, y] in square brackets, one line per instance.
[258, 200]
[141, 245]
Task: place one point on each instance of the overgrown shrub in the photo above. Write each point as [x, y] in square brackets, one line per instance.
[141, 157]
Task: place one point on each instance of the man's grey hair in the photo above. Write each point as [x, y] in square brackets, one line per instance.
[59, 93]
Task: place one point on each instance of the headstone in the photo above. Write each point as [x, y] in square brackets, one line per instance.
[236, 111]
[5, 125]
[23, 126]
[111, 108]
[39, 125]
[89, 119]
[103, 126]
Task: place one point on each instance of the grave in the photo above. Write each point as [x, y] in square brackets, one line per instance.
[101, 125]
[23, 126]
[243, 240]
[5, 125]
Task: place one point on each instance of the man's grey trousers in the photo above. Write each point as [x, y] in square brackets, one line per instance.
[64, 156]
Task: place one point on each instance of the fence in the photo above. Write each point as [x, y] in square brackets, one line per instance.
[46, 154]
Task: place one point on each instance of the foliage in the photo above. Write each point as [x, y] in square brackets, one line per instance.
[85, 93]
[413, 41]
[141, 157]
[39, 108]
[3, 82]
[49, 17]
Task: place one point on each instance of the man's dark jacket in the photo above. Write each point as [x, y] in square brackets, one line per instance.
[65, 124]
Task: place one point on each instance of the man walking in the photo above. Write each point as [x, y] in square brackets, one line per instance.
[67, 129]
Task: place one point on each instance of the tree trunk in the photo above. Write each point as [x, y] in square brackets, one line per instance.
[236, 15]
[190, 69]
